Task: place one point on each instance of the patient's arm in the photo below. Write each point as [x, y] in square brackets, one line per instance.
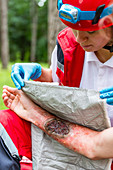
[90, 143]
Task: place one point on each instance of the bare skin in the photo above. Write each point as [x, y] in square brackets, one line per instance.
[92, 144]
[46, 75]
[94, 41]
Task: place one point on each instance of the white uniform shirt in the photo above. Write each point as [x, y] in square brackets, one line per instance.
[96, 75]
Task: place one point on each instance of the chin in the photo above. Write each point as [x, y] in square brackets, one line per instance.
[88, 50]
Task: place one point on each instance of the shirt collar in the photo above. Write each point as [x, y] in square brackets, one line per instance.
[90, 56]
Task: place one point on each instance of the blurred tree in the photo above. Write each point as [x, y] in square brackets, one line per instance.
[20, 34]
[54, 26]
[19, 29]
[34, 16]
[4, 33]
[41, 50]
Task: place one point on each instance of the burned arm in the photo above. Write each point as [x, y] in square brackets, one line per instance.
[77, 138]
[92, 144]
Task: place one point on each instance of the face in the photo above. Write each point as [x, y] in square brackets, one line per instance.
[93, 40]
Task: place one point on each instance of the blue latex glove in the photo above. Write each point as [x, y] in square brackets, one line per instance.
[108, 95]
[25, 71]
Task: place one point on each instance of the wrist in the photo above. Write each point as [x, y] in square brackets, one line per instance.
[39, 117]
[46, 75]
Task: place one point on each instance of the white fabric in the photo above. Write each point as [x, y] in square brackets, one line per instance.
[54, 65]
[96, 75]
[8, 142]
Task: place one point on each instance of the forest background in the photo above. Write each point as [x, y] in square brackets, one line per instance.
[28, 30]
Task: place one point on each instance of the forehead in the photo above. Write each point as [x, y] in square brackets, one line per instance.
[102, 32]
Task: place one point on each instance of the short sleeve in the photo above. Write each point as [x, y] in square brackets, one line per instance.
[54, 65]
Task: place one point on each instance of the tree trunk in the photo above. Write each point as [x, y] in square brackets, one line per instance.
[54, 26]
[4, 33]
[34, 16]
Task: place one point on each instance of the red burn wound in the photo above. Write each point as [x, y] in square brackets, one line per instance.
[57, 126]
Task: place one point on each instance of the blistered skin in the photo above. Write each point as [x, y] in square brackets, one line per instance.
[75, 137]
[58, 127]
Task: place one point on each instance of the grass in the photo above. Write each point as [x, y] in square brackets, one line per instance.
[5, 79]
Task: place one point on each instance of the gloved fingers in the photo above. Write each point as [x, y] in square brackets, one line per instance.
[18, 81]
[37, 72]
[106, 90]
[106, 95]
[36, 75]
[27, 75]
[109, 101]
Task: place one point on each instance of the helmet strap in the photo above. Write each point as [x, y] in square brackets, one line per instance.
[98, 13]
[110, 48]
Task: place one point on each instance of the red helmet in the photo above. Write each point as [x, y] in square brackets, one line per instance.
[86, 15]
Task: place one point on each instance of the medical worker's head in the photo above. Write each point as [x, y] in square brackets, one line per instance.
[91, 21]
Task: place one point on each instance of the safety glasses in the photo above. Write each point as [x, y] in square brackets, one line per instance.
[72, 14]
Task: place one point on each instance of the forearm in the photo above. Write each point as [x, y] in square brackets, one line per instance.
[74, 137]
[46, 75]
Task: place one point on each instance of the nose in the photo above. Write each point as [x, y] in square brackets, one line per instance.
[81, 36]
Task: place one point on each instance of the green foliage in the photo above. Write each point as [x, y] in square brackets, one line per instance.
[5, 79]
[19, 28]
[42, 34]
[19, 20]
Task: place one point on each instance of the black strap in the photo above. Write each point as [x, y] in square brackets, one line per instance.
[8, 161]
[98, 13]
[110, 48]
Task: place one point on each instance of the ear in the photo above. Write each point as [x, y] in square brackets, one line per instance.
[106, 21]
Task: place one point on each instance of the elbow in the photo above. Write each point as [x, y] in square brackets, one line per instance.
[89, 154]
[92, 156]
[92, 151]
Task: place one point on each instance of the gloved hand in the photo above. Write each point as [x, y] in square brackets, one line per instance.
[25, 71]
[108, 95]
